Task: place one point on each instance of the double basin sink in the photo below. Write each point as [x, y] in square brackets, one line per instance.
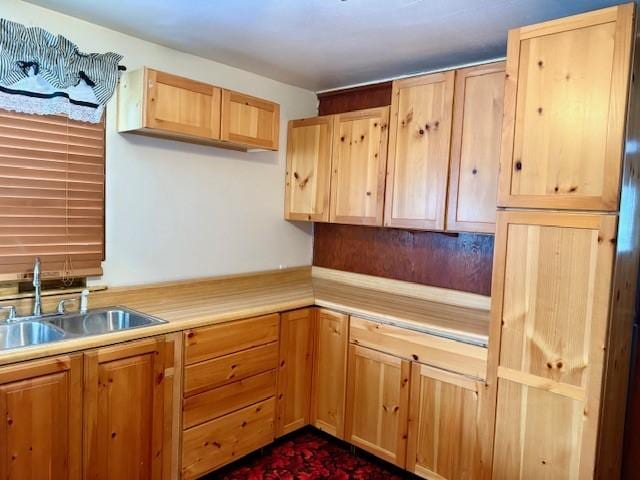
[26, 331]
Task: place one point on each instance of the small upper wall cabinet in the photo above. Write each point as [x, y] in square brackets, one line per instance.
[420, 132]
[250, 121]
[308, 173]
[161, 104]
[565, 98]
[359, 161]
[475, 148]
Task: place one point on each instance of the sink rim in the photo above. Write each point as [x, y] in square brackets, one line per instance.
[44, 327]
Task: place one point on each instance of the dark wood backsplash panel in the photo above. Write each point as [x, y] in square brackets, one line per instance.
[457, 261]
[461, 262]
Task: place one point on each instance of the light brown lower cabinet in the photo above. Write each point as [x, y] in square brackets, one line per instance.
[378, 403]
[41, 428]
[124, 411]
[330, 372]
[445, 439]
[295, 370]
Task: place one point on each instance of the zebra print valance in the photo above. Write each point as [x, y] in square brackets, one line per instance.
[46, 74]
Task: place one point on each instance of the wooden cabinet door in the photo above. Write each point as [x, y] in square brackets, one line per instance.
[295, 370]
[250, 121]
[329, 372]
[550, 310]
[41, 428]
[475, 148]
[308, 176]
[182, 106]
[123, 411]
[445, 440]
[419, 140]
[378, 403]
[565, 104]
[359, 160]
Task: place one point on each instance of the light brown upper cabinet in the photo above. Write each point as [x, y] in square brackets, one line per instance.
[308, 175]
[161, 104]
[475, 148]
[564, 119]
[359, 161]
[420, 132]
[250, 121]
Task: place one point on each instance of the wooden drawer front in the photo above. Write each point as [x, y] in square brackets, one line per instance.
[210, 342]
[417, 346]
[230, 368]
[228, 398]
[215, 443]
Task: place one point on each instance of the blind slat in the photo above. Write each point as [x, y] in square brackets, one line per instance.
[51, 196]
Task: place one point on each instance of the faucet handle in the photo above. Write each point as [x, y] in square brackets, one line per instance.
[12, 312]
[61, 304]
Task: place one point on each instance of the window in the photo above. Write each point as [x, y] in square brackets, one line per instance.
[51, 196]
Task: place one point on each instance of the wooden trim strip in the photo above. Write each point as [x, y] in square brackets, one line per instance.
[571, 391]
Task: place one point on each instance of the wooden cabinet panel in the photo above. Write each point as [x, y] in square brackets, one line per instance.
[218, 442]
[565, 104]
[217, 340]
[250, 121]
[181, 105]
[228, 398]
[359, 161]
[41, 429]
[539, 434]
[377, 403]
[295, 370]
[229, 368]
[308, 176]
[552, 285]
[329, 372]
[445, 441]
[475, 148]
[123, 411]
[420, 132]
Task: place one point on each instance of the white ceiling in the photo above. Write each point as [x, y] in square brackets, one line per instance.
[324, 44]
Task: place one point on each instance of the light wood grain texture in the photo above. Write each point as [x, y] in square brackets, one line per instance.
[377, 403]
[308, 175]
[418, 346]
[250, 121]
[358, 164]
[466, 324]
[218, 340]
[202, 376]
[124, 411]
[419, 140]
[552, 281]
[329, 372]
[623, 308]
[218, 442]
[475, 148]
[405, 289]
[445, 441]
[172, 435]
[41, 428]
[565, 104]
[223, 400]
[295, 370]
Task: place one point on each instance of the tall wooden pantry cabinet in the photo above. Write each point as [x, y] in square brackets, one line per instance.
[566, 251]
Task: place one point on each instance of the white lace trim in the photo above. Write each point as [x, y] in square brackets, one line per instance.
[50, 106]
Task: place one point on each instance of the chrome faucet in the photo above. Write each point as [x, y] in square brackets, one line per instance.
[37, 305]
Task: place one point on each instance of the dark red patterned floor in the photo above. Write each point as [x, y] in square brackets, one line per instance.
[308, 456]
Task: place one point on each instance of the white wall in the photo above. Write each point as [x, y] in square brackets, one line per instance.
[176, 210]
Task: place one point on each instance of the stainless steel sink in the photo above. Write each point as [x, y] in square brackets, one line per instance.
[102, 320]
[35, 330]
[22, 334]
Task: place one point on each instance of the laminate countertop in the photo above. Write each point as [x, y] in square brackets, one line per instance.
[190, 304]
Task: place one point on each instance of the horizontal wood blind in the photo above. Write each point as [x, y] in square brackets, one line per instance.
[51, 196]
